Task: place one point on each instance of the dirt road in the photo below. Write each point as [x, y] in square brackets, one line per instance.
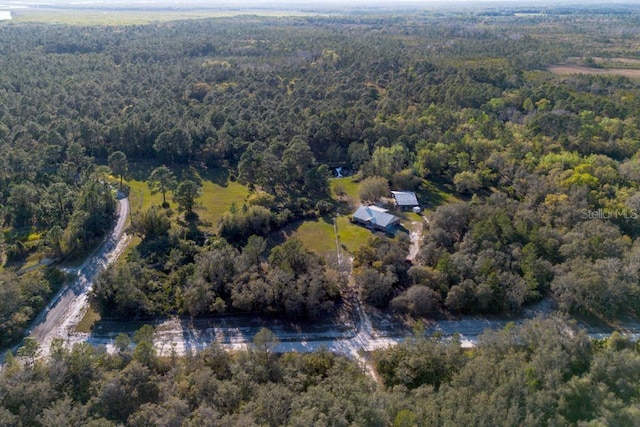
[66, 309]
[184, 336]
[415, 236]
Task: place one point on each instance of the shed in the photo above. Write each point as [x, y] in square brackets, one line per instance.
[405, 199]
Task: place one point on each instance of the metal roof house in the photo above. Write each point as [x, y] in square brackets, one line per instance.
[405, 199]
[375, 218]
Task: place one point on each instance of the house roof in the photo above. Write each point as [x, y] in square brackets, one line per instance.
[375, 215]
[405, 198]
[377, 208]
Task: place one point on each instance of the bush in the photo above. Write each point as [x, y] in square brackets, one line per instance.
[261, 198]
[373, 188]
[376, 287]
[238, 227]
[417, 301]
[16, 251]
[405, 180]
[467, 182]
[324, 207]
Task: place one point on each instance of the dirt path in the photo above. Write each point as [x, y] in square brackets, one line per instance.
[414, 236]
[337, 237]
[183, 337]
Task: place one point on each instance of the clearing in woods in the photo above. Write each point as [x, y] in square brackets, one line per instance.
[566, 69]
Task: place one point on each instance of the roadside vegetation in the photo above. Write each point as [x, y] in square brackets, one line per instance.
[544, 372]
[226, 134]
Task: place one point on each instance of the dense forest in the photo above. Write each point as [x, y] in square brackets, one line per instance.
[530, 179]
[545, 166]
[545, 372]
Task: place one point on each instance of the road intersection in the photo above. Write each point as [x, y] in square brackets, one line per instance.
[181, 336]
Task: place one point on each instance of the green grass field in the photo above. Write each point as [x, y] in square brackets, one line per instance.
[217, 199]
[141, 199]
[348, 185]
[352, 236]
[433, 194]
[408, 218]
[317, 236]
[88, 320]
[218, 193]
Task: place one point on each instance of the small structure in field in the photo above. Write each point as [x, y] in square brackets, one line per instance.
[406, 200]
[375, 218]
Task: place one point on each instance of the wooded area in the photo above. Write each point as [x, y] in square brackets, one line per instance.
[546, 166]
[545, 372]
[544, 169]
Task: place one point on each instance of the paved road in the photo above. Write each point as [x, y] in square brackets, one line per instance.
[69, 305]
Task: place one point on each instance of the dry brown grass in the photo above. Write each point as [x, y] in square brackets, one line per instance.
[628, 61]
[565, 69]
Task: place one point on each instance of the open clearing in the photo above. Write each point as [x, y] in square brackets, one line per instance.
[217, 199]
[108, 16]
[218, 194]
[566, 69]
[319, 236]
[352, 236]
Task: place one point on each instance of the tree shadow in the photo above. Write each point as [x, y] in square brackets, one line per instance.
[279, 236]
[191, 224]
[345, 206]
[327, 218]
[140, 170]
[219, 176]
[400, 229]
[436, 192]
[431, 194]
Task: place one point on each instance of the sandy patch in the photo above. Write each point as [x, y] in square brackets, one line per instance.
[566, 69]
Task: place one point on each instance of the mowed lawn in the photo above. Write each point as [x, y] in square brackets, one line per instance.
[216, 199]
[348, 185]
[319, 236]
[141, 199]
[352, 236]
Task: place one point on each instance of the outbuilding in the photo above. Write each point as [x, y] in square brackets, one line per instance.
[405, 200]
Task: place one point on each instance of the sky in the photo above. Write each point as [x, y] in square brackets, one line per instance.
[227, 3]
[293, 5]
